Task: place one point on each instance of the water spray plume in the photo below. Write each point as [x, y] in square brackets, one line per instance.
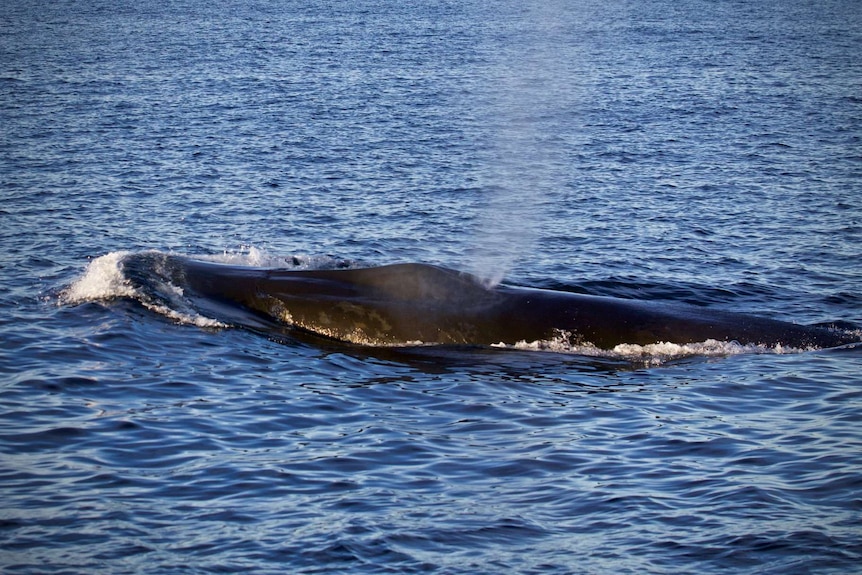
[526, 91]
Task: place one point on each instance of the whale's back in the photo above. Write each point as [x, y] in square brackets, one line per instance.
[407, 303]
[421, 284]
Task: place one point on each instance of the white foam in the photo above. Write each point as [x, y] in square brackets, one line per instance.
[104, 280]
[653, 354]
[177, 308]
[244, 256]
[253, 256]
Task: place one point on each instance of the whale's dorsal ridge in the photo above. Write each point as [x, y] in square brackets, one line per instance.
[415, 282]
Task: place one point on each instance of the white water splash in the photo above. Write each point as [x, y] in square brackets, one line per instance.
[104, 280]
[651, 355]
[253, 256]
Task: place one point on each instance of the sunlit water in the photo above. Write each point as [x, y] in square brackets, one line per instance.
[705, 152]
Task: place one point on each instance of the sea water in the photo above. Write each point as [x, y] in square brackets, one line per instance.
[702, 152]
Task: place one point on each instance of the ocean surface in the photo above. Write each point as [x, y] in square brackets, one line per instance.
[706, 152]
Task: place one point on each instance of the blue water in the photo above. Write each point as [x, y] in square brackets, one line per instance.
[705, 152]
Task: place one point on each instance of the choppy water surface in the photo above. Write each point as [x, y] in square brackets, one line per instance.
[705, 152]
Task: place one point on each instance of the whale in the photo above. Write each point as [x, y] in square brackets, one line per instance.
[419, 304]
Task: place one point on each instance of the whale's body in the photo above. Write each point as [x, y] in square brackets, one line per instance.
[405, 304]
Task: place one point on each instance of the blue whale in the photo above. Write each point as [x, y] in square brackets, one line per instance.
[407, 304]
